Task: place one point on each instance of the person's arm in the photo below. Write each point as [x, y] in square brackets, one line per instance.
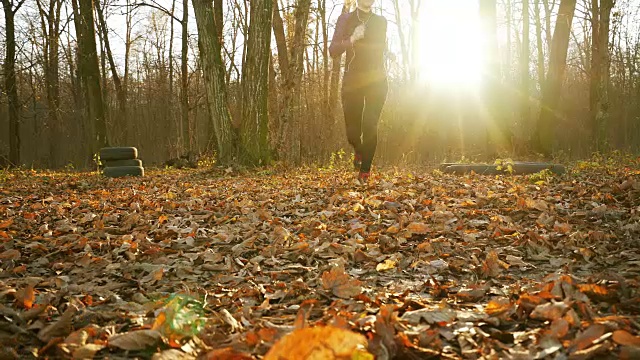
[340, 41]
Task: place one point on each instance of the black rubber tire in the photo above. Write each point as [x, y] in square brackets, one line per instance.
[519, 168]
[118, 153]
[116, 163]
[121, 171]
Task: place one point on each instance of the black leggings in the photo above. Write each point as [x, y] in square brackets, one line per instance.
[362, 107]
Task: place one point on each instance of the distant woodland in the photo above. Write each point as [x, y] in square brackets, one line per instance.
[251, 82]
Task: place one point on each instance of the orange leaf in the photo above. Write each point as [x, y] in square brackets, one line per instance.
[29, 216]
[157, 275]
[4, 235]
[267, 334]
[26, 297]
[341, 284]
[623, 337]
[497, 307]
[586, 339]
[559, 328]
[319, 343]
[5, 224]
[227, 354]
[418, 228]
[252, 338]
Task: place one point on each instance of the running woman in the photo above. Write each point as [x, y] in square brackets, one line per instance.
[363, 36]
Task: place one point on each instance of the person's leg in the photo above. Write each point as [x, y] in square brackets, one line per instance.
[353, 106]
[375, 97]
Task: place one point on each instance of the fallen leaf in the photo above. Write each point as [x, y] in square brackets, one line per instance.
[340, 284]
[11, 254]
[623, 337]
[550, 311]
[491, 266]
[6, 223]
[26, 296]
[135, 340]
[429, 316]
[87, 351]
[386, 265]
[418, 228]
[172, 354]
[498, 306]
[61, 328]
[324, 342]
[226, 354]
[559, 328]
[587, 337]
[471, 294]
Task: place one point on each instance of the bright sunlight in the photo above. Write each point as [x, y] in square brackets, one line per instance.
[451, 51]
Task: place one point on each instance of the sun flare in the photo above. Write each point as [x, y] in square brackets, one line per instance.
[451, 45]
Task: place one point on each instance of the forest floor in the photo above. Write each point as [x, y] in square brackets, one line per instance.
[217, 264]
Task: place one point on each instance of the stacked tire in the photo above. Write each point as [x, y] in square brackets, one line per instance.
[120, 162]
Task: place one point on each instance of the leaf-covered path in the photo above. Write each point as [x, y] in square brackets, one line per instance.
[183, 264]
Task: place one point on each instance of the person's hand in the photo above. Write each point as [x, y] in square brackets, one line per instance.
[358, 33]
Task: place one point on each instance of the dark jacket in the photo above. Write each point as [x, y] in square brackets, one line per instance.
[365, 58]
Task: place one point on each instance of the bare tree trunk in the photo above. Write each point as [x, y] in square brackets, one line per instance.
[406, 59]
[496, 139]
[599, 71]
[50, 26]
[185, 133]
[255, 85]
[121, 118]
[91, 71]
[214, 77]
[548, 11]
[544, 135]
[524, 63]
[288, 132]
[174, 126]
[539, 45]
[10, 80]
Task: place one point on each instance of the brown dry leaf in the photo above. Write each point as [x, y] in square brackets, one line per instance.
[550, 311]
[11, 254]
[26, 297]
[498, 306]
[418, 228]
[630, 352]
[385, 328]
[623, 337]
[563, 228]
[471, 294]
[440, 316]
[172, 354]
[587, 337]
[87, 351]
[386, 265]
[491, 266]
[341, 284]
[135, 340]
[6, 223]
[62, 327]
[326, 342]
[226, 354]
[559, 328]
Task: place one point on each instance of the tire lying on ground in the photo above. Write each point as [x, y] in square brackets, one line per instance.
[118, 153]
[116, 163]
[121, 171]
